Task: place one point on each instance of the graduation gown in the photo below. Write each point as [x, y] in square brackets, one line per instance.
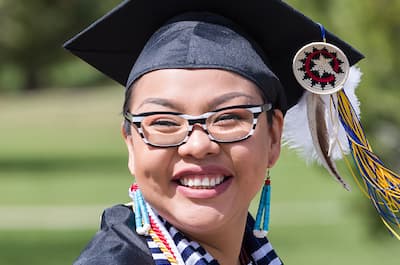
[117, 242]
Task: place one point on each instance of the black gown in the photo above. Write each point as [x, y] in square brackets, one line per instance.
[117, 242]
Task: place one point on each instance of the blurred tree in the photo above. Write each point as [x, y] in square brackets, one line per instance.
[33, 31]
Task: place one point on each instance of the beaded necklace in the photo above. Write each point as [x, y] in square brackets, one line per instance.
[158, 237]
[163, 240]
[147, 224]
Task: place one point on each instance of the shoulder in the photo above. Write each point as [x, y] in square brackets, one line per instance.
[117, 242]
[118, 215]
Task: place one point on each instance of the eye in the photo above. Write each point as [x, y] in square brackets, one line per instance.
[228, 117]
[164, 123]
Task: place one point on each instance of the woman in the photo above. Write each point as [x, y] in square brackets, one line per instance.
[207, 86]
[203, 182]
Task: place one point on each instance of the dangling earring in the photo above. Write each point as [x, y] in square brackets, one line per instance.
[142, 219]
[261, 229]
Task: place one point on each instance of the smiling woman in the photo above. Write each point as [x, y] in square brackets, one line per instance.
[196, 183]
[207, 87]
[159, 171]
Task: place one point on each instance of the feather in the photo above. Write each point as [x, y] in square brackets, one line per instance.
[297, 136]
[316, 115]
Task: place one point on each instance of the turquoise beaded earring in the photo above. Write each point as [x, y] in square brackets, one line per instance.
[142, 219]
[261, 225]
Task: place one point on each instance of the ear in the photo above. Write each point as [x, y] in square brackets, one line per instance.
[129, 144]
[275, 132]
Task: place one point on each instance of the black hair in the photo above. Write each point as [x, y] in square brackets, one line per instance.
[125, 109]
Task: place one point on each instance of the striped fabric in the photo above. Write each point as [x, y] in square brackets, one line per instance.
[192, 253]
[260, 250]
[158, 256]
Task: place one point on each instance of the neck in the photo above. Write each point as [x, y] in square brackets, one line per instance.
[223, 243]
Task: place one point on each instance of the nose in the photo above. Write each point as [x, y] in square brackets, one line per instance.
[198, 145]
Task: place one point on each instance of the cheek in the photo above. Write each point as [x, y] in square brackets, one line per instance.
[251, 162]
[152, 166]
[254, 154]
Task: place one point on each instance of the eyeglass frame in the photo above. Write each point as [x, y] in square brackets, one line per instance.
[136, 119]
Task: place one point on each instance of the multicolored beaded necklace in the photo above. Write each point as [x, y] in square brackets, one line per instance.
[168, 246]
[148, 226]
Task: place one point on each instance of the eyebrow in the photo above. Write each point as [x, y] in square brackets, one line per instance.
[229, 96]
[158, 101]
[213, 104]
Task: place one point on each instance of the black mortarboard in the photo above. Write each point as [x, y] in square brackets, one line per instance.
[113, 43]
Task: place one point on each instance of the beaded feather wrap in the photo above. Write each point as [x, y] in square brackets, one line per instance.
[331, 109]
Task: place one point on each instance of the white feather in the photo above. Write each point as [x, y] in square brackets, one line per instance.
[296, 132]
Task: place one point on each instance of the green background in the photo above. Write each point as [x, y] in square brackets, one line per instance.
[63, 160]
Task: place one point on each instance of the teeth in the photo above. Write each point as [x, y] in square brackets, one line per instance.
[185, 182]
[190, 182]
[212, 182]
[205, 182]
[219, 180]
[201, 182]
[197, 182]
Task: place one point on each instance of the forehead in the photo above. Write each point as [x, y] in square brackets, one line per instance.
[192, 85]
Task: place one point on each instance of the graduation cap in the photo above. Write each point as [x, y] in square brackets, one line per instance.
[113, 43]
[293, 60]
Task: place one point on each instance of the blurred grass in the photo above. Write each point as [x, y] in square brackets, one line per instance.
[62, 159]
[41, 247]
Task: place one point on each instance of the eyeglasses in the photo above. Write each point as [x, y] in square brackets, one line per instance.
[225, 125]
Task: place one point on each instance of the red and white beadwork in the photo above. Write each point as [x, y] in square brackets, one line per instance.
[321, 68]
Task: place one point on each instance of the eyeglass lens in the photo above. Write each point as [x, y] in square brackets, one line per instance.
[225, 126]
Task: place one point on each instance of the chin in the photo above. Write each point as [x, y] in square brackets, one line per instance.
[199, 219]
[196, 217]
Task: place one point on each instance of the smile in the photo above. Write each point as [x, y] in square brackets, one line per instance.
[202, 182]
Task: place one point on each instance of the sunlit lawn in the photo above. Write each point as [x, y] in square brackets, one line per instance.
[62, 160]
